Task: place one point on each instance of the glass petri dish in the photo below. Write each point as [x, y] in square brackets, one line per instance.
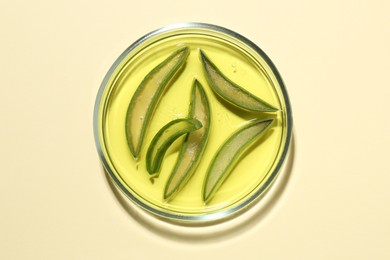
[251, 171]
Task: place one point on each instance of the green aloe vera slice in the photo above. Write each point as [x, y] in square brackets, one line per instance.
[230, 91]
[229, 153]
[164, 138]
[147, 96]
[194, 144]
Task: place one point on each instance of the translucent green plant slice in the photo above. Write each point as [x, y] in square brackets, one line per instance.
[229, 153]
[230, 91]
[164, 138]
[147, 96]
[194, 144]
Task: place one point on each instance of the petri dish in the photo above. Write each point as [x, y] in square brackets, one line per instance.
[156, 64]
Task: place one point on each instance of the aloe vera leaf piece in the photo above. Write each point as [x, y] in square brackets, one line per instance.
[147, 96]
[194, 144]
[164, 138]
[229, 153]
[230, 91]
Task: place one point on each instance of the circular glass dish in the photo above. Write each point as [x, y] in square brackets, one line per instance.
[239, 60]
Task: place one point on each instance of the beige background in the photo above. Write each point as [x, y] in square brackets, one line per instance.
[55, 200]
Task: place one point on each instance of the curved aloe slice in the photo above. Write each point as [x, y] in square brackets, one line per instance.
[193, 145]
[230, 91]
[229, 153]
[147, 96]
[164, 138]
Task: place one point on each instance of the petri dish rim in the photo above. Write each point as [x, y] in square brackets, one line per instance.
[212, 217]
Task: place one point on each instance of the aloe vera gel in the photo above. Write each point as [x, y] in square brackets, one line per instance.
[193, 121]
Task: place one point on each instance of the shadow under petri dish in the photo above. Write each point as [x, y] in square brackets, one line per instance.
[211, 231]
